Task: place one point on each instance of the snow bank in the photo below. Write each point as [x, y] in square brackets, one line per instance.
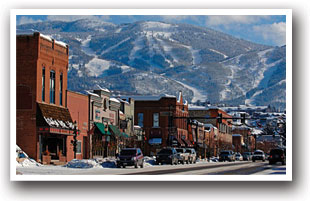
[109, 163]
[23, 160]
[85, 163]
[149, 161]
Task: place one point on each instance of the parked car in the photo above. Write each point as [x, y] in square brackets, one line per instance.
[130, 157]
[238, 156]
[258, 155]
[183, 156]
[247, 156]
[227, 155]
[277, 155]
[167, 155]
[192, 155]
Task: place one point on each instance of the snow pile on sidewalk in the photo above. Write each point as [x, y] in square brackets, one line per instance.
[149, 161]
[109, 162]
[23, 160]
[85, 163]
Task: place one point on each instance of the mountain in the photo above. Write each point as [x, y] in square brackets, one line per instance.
[149, 57]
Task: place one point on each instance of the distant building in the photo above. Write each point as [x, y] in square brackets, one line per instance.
[44, 124]
[156, 115]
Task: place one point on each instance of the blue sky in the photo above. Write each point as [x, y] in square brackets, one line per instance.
[263, 29]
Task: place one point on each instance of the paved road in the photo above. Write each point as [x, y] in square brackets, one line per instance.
[201, 168]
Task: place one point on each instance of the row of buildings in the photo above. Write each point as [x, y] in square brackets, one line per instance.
[56, 125]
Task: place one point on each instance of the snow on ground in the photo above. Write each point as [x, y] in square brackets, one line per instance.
[198, 94]
[97, 66]
[224, 55]
[23, 160]
[114, 46]
[85, 46]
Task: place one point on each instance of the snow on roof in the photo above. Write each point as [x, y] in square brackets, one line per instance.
[46, 37]
[255, 131]
[209, 125]
[114, 100]
[61, 43]
[236, 135]
[92, 94]
[102, 88]
[148, 98]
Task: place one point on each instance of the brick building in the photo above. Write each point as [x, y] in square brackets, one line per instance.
[43, 122]
[248, 139]
[224, 139]
[78, 106]
[156, 115]
[211, 140]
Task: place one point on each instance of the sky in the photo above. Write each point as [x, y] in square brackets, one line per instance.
[262, 29]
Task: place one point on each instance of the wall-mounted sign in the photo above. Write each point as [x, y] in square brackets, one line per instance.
[97, 114]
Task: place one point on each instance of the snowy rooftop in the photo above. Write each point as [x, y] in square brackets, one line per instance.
[92, 94]
[114, 100]
[103, 88]
[148, 98]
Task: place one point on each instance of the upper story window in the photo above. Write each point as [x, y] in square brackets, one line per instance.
[52, 87]
[140, 119]
[60, 88]
[43, 84]
[155, 119]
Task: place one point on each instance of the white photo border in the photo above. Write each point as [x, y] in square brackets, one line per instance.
[289, 114]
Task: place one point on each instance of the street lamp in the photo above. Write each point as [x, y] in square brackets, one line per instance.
[74, 141]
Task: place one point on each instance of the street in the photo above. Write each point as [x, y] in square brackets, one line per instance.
[200, 168]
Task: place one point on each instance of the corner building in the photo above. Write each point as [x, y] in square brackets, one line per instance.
[43, 120]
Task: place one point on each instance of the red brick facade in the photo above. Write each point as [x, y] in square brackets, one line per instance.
[165, 108]
[33, 53]
[78, 106]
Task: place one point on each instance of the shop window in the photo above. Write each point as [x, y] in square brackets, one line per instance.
[140, 119]
[78, 147]
[155, 120]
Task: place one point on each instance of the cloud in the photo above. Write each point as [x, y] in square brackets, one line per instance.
[69, 18]
[275, 32]
[26, 20]
[226, 20]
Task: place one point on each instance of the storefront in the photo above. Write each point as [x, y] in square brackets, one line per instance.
[54, 125]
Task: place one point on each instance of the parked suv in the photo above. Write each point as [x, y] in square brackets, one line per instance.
[130, 157]
[183, 156]
[167, 155]
[227, 155]
[258, 155]
[277, 155]
[192, 155]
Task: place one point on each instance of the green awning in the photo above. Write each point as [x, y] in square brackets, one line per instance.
[115, 131]
[125, 135]
[101, 127]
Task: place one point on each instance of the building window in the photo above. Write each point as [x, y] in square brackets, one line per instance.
[78, 147]
[60, 88]
[155, 120]
[52, 87]
[43, 84]
[140, 119]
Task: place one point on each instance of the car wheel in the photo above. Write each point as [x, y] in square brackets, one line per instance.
[142, 164]
[124, 166]
[136, 165]
[187, 162]
[263, 160]
[253, 160]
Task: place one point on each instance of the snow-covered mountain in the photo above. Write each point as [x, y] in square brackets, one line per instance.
[163, 58]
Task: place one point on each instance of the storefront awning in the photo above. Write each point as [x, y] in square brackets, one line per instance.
[188, 143]
[154, 141]
[101, 128]
[115, 131]
[54, 119]
[125, 135]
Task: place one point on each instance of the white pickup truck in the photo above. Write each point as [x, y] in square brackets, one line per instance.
[183, 156]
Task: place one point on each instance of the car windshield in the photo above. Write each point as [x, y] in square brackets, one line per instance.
[127, 152]
[188, 151]
[258, 153]
[180, 150]
[225, 152]
[165, 151]
[247, 153]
